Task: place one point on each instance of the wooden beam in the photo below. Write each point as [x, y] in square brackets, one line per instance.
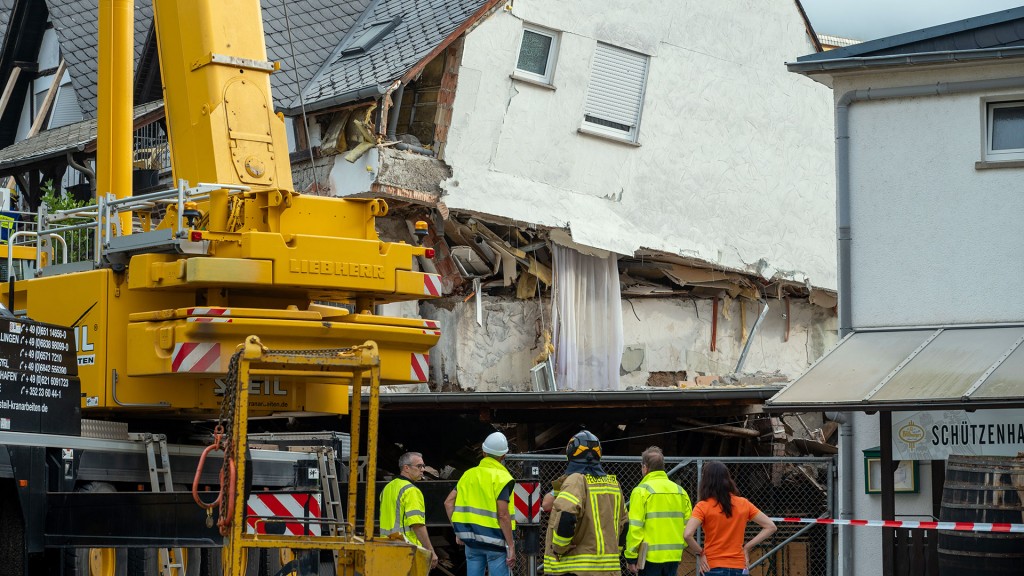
[720, 429]
[9, 89]
[51, 95]
[44, 110]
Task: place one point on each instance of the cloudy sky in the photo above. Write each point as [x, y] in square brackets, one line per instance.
[870, 19]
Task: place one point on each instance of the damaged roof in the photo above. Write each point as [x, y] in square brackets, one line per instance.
[390, 38]
[996, 35]
[336, 50]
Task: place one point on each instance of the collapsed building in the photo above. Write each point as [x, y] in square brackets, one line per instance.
[633, 229]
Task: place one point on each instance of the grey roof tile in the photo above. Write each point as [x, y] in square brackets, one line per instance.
[316, 26]
[75, 22]
[424, 25]
[58, 141]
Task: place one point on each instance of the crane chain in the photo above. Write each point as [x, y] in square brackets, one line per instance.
[227, 421]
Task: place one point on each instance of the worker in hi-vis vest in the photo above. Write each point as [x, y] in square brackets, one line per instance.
[402, 513]
[480, 509]
[588, 516]
[658, 511]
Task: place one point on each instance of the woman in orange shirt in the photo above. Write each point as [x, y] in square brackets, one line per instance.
[723, 514]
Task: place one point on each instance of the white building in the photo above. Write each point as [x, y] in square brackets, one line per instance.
[930, 148]
[664, 130]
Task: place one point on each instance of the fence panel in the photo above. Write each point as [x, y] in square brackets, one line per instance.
[800, 487]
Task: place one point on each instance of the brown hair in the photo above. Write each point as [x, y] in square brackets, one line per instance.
[717, 483]
[654, 459]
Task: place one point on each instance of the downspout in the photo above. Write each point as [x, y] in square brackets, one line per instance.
[393, 111]
[89, 174]
[844, 237]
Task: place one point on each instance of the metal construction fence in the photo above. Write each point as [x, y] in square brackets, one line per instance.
[779, 486]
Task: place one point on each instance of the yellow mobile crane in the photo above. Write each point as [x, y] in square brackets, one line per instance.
[230, 293]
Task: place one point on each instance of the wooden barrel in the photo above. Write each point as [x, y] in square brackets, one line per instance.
[982, 489]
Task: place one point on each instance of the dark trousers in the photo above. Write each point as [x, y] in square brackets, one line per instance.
[659, 569]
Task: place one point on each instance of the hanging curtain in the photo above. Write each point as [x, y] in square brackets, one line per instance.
[587, 312]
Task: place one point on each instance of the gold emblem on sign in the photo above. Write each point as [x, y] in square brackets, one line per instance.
[911, 433]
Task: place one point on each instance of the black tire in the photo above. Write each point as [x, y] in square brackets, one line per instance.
[212, 559]
[12, 533]
[100, 557]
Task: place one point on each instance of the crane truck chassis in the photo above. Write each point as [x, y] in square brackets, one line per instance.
[184, 300]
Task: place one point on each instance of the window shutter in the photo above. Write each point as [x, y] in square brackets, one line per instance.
[616, 91]
[65, 108]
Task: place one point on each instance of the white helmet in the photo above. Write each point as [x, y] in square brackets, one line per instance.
[496, 444]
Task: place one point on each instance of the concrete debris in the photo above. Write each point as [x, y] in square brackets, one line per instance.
[741, 380]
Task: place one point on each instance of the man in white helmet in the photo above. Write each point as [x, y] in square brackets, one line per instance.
[480, 509]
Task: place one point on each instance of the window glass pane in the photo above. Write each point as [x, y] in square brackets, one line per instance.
[533, 54]
[1008, 128]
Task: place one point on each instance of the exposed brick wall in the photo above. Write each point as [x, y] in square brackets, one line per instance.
[446, 96]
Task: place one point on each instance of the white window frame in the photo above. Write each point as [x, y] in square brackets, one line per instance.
[991, 155]
[588, 127]
[546, 79]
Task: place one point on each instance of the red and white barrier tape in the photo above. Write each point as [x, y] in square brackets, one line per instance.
[955, 526]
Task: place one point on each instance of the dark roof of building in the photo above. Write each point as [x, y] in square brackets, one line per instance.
[310, 38]
[58, 141]
[990, 35]
[316, 27]
[395, 35]
[5, 16]
[76, 24]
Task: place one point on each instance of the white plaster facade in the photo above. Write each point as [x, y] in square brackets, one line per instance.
[928, 227]
[725, 171]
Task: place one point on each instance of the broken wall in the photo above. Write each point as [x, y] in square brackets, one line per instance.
[663, 337]
[734, 163]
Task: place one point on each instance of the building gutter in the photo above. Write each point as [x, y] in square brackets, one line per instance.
[595, 399]
[916, 59]
[845, 236]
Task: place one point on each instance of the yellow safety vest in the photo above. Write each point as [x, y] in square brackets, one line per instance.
[6, 228]
[658, 511]
[401, 508]
[476, 516]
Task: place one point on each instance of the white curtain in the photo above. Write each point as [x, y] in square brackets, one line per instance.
[587, 312]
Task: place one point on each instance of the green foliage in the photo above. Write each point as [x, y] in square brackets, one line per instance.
[79, 241]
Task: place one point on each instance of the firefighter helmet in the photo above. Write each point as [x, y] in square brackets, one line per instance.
[584, 447]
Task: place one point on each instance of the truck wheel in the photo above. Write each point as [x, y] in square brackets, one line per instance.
[213, 562]
[101, 561]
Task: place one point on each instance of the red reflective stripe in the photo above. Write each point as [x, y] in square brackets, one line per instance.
[859, 522]
[208, 359]
[183, 352]
[279, 509]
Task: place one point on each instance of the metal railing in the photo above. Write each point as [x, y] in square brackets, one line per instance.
[86, 233]
[779, 486]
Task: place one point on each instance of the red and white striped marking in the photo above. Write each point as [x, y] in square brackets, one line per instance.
[432, 324]
[432, 284]
[297, 505]
[209, 311]
[527, 498]
[204, 319]
[196, 357]
[432, 332]
[922, 525]
[420, 367]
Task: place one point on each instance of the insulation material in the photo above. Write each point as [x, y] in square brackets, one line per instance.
[587, 311]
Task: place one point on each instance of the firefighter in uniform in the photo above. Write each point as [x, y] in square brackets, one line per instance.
[588, 516]
[658, 511]
[480, 509]
[402, 513]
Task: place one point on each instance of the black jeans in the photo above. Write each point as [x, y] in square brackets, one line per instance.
[659, 569]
